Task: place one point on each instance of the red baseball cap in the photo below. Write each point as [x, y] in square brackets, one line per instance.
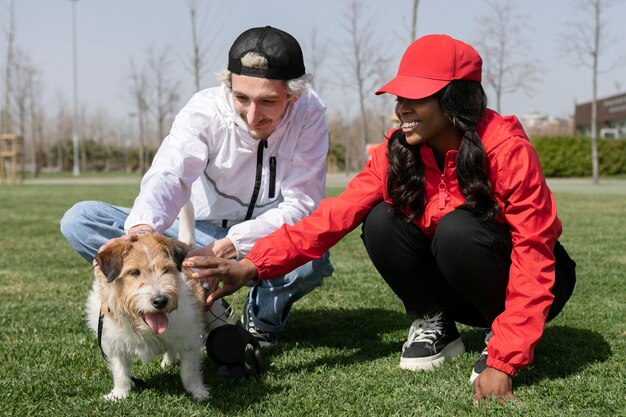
[430, 63]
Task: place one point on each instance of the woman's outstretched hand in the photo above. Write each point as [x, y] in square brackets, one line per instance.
[492, 384]
[232, 275]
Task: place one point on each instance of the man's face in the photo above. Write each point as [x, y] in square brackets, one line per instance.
[260, 102]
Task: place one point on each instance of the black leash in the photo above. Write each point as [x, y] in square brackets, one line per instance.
[100, 324]
[139, 383]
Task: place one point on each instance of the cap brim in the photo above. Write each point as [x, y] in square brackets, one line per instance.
[412, 87]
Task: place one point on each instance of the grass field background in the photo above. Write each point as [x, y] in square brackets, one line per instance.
[339, 354]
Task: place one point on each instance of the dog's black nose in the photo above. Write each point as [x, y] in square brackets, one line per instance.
[159, 301]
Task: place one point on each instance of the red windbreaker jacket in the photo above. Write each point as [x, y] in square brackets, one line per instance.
[527, 207]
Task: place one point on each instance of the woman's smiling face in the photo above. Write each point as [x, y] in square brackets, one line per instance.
[422, 121]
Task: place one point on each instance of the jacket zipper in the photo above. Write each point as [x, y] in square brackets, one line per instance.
[257, 181]
[272, 177]
[442, 192]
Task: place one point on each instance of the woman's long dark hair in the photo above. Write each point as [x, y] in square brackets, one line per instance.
[463, 102]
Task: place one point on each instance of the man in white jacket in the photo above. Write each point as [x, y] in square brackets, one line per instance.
[251, 156]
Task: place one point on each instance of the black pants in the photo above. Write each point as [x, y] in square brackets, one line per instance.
[463, 270]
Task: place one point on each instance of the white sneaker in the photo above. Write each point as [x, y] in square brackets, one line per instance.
[432, 340]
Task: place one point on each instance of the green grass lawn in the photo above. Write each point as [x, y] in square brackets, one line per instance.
[339, 354]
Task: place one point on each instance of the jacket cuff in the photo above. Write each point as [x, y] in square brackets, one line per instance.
[259, 269]
[501, 366]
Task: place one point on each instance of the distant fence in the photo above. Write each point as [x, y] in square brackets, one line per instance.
[11, 159]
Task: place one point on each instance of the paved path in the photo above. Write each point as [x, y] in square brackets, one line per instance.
[573, 185]
[586, 186]
[332, 180]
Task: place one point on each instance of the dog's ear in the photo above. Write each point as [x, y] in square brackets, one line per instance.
[110, 260]
[177, 249]
[179, 252]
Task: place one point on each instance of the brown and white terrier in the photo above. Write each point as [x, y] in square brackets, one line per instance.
[142, 305]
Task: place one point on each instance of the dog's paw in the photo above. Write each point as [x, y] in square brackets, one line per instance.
[200, 393]
[116, 394]
[168, 360]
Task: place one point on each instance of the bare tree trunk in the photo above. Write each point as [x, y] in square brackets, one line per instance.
[59, 142]
[83, 162]
[585, 41]
[595, 170]
[499, 76]
[60, 156]
[204, 33]
[362, 56]
[76, 126]
[500, 38]
[139, 92]
[36, 134]
[34, 165]
[10, 34]
[360, 90]
[33, 87]
[360, 62]
[416, 4]
[23, 97]
[142, 147]
[347, 158]
[196, 58]
[62, 132]
[316, 56]
[165, 90]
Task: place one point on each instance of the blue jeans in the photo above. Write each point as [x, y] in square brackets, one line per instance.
[90, 224]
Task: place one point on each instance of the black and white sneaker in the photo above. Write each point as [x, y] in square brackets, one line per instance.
[481, 363]
[266, 339]
[432, 339]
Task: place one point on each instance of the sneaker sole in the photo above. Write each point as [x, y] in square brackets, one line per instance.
[428, 363]
[474, 372]
[473, 376]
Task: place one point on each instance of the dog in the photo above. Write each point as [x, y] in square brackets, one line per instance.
[142, 304]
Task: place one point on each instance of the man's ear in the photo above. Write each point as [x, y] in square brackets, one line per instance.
[293, 98]
[111, 259]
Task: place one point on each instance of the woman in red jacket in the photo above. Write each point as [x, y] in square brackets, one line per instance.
[457, 218]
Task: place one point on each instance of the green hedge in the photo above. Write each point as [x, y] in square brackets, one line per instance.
[566, 156]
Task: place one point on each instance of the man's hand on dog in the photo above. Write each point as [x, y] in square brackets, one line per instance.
[133, 234]
[232, 275]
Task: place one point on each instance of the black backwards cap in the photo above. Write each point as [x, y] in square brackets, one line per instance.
[282, 51]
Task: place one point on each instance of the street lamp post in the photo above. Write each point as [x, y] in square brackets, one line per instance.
[75, 139]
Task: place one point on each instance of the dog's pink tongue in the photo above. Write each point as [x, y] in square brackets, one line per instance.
[157, 322]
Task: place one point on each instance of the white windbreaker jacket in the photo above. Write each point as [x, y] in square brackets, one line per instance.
[233, 180]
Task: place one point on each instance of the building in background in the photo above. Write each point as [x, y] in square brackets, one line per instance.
[541, 124]
[611, 113]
